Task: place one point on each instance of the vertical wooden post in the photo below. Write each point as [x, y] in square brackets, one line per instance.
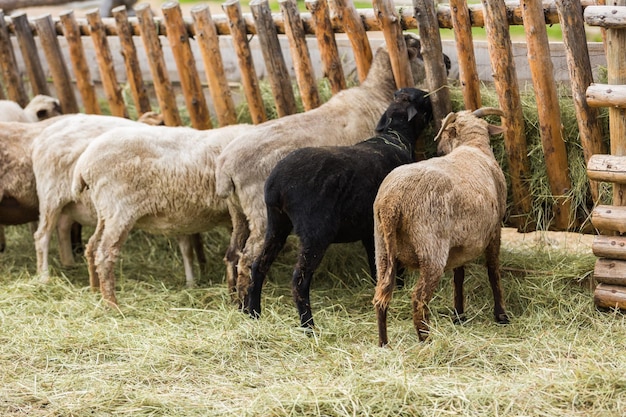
[186, 64]
[112, 89]
[84, 83]
[8, 65]
[468, 74]
[26, 42]
[554, 152]
[572, 25]
[54, 56]
[303, 68]
[436, 73]
[331, 63]
[353, 26]
[131, 62]
[277, 73]
[394, 39]
[505, 79]
[249, 78]
[162, 86]
[209, 44]
[616, 74]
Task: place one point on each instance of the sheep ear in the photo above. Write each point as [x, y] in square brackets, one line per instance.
[383, 123]
[495, 129]
[411, 113]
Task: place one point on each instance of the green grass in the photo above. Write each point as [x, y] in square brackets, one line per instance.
[170, 351]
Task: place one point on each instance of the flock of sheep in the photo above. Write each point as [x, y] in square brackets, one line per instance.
[343, 172]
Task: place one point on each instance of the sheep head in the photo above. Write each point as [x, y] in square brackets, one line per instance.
[43, 107]
[466, 126]
[409, 105]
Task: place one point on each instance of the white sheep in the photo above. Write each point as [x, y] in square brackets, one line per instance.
[14, 146]
[39, 108]
[158, 179]
[245, 164]
[439, 214]
[54, 153]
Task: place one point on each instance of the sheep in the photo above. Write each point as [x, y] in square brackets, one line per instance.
[39, 108]
[326, 195]
[163, 182]
[15, 139]
[54, 153]
[439, 214]
[345, 119]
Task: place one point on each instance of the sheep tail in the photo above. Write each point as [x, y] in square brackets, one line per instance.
[386, 250]
[224, 185]
[78, 184]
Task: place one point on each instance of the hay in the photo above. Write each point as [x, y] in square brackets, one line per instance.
[178, 352]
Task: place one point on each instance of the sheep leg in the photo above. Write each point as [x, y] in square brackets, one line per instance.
[198, 248]
[90, 255]
[76, 238]
[459, 298]
[49, 217]
[113, 237]
[64, 232]
[308, 260]
[492, 256]
[371, 257]
[278, 229]
[3, 239]
[430, 274]
[238, 239]
[251, 252]
[186, 249]
[384, 290]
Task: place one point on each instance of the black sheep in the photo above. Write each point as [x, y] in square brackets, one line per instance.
[326, 195]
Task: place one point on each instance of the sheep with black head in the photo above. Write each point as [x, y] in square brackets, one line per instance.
[326, 195]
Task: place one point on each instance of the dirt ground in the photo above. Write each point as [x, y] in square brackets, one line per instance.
[573, 242]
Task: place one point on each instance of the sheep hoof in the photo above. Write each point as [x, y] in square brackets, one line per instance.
[423, 334]
[502, 318]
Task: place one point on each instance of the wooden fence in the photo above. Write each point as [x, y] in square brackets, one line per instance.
[610, 269]
[323, 20]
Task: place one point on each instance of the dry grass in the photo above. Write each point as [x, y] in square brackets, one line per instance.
[170, 351]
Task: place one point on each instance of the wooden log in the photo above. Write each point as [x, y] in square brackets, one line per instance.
[327, 45]
[608, 168]
[28, 47]
[616, 75]
[58, 69]
[605, 95]
[84, 83]
[608, 17]
[346, 16]
[507, 88]
[610, 296]
[436, 72]
[8, 67]
[162, 85]
[611, 247]
[186, 65]
[249, 79]
[112, 89]
[277, 72]
[549, 112]
[394, 39]
[606, 217]
[610, 271]
[468, 74]
[209, 45]
[303, 68]
[131, 61]
[581, 77]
